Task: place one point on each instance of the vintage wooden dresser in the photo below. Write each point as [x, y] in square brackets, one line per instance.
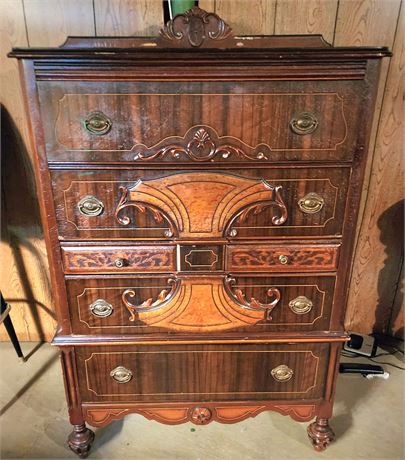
[199, 196]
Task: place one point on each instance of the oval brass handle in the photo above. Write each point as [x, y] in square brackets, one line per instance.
[98, 123]
[121, 374]
[101, 308]
[119, 262]
[304, 123]
[311, 203]
[301, 305]
[283, 259]
[90, 206]
[282, 373]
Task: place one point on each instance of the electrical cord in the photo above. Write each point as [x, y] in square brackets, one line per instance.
[349, 354]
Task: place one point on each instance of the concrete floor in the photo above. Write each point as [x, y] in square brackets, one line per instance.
[368, 421]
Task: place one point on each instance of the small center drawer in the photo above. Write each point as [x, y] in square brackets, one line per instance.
[203, 372]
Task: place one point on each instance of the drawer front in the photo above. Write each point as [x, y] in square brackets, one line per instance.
[287, 258]
[257, 203]
[118, 259]
[97, 306]
[200, 121]
[202, 372]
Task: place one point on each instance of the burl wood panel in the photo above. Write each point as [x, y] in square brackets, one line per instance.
[119, 259]
[237, 119]
[208, 372]
[84, 291]
[192, 200]
[243, 258]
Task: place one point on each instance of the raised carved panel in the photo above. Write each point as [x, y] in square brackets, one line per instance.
[201, 204]
[200, 305]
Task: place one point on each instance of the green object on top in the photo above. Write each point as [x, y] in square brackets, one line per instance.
[180, 6]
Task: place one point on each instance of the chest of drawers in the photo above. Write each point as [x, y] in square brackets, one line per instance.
[199, 196]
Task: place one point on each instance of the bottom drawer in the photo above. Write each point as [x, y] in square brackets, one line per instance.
[202, 372]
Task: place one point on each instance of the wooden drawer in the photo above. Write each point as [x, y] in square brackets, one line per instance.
[243, 203]
[218, 122]
[97, 306]
[202, 372]
[286, 258]
[118, 259]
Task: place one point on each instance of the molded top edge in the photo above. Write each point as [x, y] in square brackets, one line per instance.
[289, 45]
[197, 30]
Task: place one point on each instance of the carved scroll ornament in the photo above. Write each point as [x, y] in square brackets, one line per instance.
[200, 305]
[202, 143]
[253, 304]
[201, 204]
[195, 28]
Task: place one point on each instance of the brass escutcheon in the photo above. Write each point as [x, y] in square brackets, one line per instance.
[301, 305]
[311, 203]
[101, 308]
[97, 123]
[90, 206]
[121, 374]
[304, 123]
[282, 373]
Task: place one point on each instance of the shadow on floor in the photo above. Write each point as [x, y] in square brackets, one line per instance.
[29, 384]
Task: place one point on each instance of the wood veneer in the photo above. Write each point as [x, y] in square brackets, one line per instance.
[320, 195]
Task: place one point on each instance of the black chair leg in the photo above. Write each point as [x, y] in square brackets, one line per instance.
[10, 329]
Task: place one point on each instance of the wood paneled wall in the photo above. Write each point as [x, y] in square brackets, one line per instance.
[376, 291]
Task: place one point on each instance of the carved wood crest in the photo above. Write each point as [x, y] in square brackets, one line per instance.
[195, 28]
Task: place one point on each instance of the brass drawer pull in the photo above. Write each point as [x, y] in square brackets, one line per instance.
[301, 305]
[90, 206]
[119, 262]
[311, 203]
[284, 260]
[282, 373]
[304, 123]
[121, 374]
[97, 123]
[101, 308]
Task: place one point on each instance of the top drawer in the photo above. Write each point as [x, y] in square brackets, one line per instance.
[193, 122]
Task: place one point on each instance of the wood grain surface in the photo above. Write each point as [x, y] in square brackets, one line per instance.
[49, 22]
[351, 22]
[382, 227]
[259, 20]
[309, 17]
[128, 17]
[235, 372]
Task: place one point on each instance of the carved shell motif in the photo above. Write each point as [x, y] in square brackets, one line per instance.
[195, 27]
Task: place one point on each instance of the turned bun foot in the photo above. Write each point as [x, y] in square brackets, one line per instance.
[80, 440]
[320, 434]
